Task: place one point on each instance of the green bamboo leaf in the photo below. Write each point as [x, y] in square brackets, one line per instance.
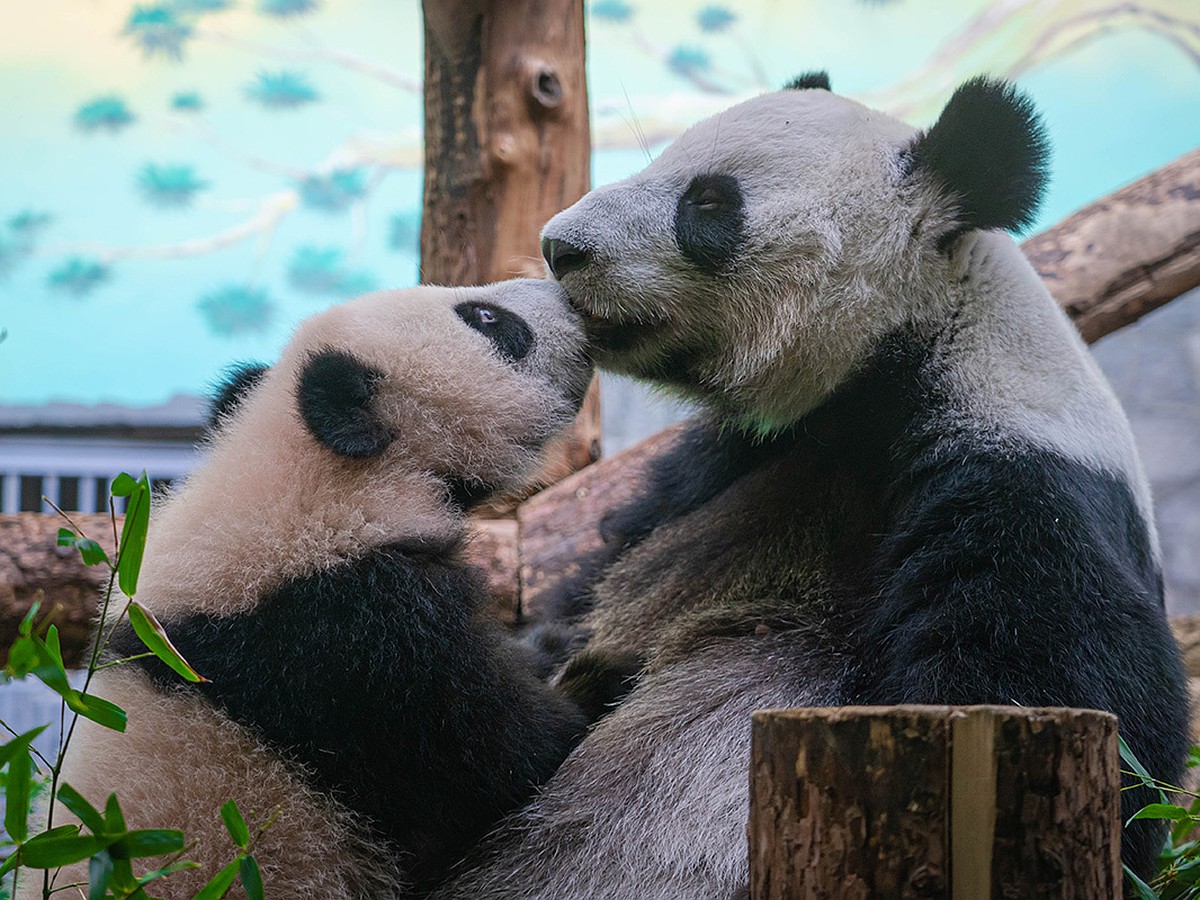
[114, 817]
[220, 883]
[25, 628]
[16, 793]
[10, 863]
[99, 710]
[93, 554]
[100, 872]
[53, 645]
[147, 842]
[251, 878]
[167, 870]
[1160, 811]
[8, 750]
[1144, 891]
[155, 638]
[1128, 757]
[49, 851]
[133, 535]
[235, 824]
[84, 811]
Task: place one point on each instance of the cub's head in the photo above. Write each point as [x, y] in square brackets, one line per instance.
[771, 247]
[466, 384]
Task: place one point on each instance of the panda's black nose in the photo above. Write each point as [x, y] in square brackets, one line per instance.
[562, 257]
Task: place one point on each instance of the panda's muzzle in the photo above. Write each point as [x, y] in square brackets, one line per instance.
[563, 257]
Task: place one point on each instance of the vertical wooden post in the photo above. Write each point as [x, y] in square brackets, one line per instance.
[507, 146]
[925, 801]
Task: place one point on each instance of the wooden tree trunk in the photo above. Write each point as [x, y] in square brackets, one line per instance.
[506, 147]
[925, 801]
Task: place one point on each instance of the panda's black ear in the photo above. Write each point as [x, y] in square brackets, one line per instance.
[239, 379]
[989, 151]
[806, 81]
[334, 396]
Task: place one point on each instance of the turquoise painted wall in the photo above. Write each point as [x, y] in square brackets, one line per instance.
[191, 178]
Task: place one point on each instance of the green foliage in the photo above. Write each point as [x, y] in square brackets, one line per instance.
[688, 61]
[1178, 876]
[103, 838]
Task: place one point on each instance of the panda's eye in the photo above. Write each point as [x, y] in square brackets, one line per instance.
[710, 222]
[509, 333]
[708, 199]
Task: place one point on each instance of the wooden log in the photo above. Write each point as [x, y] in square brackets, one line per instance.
[507, 145]
[1121, 257]
[924, 801]
[33, 567]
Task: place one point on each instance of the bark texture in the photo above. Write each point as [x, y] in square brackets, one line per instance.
[507, 146]
[1125, 255]
[926, 801]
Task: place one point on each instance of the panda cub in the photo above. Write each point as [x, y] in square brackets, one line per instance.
[911, 485]
[312, 569]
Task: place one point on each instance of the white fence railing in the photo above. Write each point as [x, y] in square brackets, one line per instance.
[75, 472]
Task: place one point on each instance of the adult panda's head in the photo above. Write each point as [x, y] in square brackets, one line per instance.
[770, 247]
[383, 418]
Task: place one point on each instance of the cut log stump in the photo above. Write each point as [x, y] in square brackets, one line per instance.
[964, 802]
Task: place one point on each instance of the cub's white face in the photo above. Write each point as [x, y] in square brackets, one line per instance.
[464, 382]
[768, 249]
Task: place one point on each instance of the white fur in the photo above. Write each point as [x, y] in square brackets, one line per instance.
[270, 503]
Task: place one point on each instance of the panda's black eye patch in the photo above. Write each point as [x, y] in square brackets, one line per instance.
[710, 222]
[508, 332]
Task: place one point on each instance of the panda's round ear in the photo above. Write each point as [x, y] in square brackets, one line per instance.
[989, 151]
[334, 395]
[237, 382]
[808, 81]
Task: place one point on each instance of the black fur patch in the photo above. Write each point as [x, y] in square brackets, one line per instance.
[237, 381]
[1027, 578]
[467, 492]
[596, 682]
[378, 678]
[511, 335]
[334, 396]
[710, 221]
[990, 152]
[953, 573]
[807, 81]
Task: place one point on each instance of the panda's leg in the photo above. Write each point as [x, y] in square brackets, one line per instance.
[653, 804]
[175, 766]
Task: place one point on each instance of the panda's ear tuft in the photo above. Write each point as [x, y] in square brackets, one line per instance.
[989, 151]
[807, 81]
[334, 396]
[239, 379]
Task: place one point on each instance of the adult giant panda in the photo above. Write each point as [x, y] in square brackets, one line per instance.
[311, 568]
[912, 484]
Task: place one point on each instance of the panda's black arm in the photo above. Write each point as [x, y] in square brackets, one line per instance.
[377, 678]
[709, 457]
[1028, 579]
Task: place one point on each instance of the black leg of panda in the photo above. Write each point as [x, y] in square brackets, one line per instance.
[394, 697]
